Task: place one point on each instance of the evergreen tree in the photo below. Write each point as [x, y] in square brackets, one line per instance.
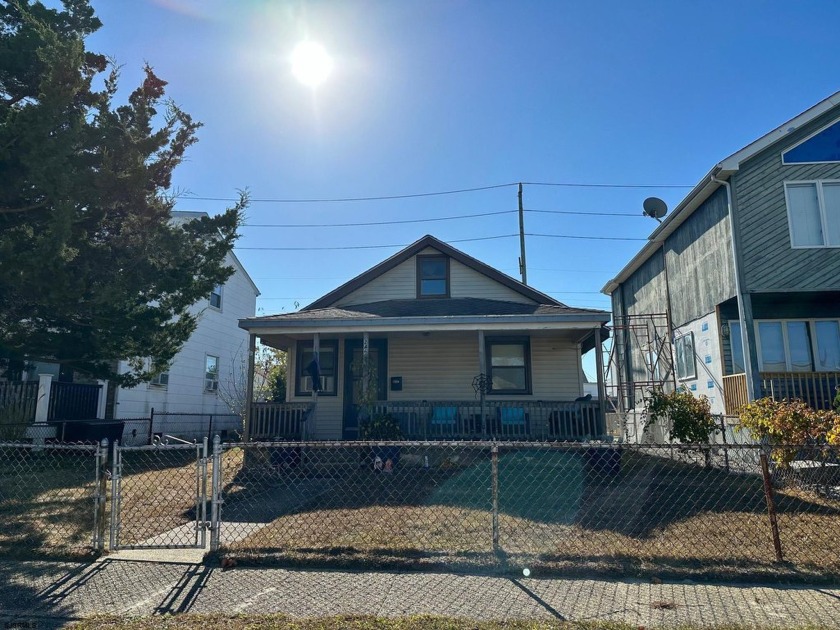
[92, 267]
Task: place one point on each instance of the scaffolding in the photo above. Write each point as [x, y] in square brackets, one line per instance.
[639, 360]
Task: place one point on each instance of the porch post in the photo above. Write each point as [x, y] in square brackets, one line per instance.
[599, 371]
[103, 397]
[482, 370]
[42, 406]
[316, 353]
[748, 342]
[365, 366]
[249, 387]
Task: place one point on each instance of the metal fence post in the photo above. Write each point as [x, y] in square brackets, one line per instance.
[115, 496]
[494, 468]
[216, 494]
[100, 495]
[771, 507]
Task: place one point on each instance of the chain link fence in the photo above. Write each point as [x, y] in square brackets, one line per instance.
[50, 497]
[669, 509]
[682, 510]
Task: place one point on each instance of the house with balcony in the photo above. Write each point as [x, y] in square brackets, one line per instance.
[746, 271]
[446, 345]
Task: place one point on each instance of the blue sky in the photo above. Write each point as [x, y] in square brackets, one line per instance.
[441, 95]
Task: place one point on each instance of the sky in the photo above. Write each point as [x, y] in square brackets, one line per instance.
[441, 95]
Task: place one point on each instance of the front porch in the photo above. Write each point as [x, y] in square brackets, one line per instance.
[531, 420]
[817, 389]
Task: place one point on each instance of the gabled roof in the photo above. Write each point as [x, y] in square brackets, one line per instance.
[429, 241]
[706, 186]
[188, 215]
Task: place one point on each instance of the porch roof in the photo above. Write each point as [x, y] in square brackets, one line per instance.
[396, 313]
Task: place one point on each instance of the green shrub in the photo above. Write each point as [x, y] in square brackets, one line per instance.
[382, 426]
[691, 418]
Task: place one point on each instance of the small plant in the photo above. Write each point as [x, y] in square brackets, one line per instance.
[691, 418]
[789, 422]
[382, 426]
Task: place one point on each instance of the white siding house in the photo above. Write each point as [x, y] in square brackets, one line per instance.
[185, 389]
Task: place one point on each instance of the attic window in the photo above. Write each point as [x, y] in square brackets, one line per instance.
[432, 276]
[823, 146]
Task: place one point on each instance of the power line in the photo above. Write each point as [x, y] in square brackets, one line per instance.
[437, 193]
[371, 223]
[582, 185]
[594, 214]
[375, 198]
[353, 247]
[587, 238]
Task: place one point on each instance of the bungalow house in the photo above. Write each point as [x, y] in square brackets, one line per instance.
[446, 345]
[745, 273]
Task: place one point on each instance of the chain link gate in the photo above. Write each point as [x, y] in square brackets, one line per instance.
[159, 496]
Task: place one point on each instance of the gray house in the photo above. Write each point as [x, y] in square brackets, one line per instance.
[445, 344]
[736, 294]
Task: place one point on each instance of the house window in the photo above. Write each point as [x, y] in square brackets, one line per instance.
[790, 346]
[813, 213]
[216, 298]
[821, 147]
[686, 364]
[211, 373]
[509, 364]
[432, 276]
[161, 380]
[327, 363]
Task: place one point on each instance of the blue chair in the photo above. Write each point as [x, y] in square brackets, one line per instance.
[443, 421]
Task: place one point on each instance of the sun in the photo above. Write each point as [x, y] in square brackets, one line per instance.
[311, 64]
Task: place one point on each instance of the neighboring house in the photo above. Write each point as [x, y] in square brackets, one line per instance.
[746, 270]
[212, 357]
[431, 320]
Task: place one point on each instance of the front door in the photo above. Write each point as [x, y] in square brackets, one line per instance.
[353, 379]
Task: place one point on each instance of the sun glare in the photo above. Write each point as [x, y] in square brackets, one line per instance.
[311, 64]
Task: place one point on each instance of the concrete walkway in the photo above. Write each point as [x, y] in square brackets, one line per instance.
[50, 594]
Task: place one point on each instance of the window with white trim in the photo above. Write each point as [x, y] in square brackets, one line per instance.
[813, 213]
[216, 298]
[211, 373]
[806, 345]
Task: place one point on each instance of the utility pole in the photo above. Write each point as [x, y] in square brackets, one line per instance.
[523, 269]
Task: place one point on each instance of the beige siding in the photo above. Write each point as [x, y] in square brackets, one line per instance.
[467, 282]
[400, 283]
[438, 367]
[442, 367]
[555, 369]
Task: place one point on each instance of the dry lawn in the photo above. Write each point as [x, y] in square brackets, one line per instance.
[655, 516]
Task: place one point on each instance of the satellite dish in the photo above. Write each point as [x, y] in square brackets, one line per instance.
[654, 207]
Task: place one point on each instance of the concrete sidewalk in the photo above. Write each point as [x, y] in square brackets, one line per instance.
[50, 594]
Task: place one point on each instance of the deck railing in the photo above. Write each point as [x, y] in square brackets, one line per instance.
[284, 421]
[506, 420]
[73, 401]
[817, 389]
[735, 393]
[18, 400]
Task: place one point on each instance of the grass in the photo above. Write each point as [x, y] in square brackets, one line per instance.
[281, 622]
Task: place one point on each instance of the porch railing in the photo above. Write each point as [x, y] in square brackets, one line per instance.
[73, 401]
[283, 421]
[506, 420]
[18, 400]
[734, 393]
[817, 389]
